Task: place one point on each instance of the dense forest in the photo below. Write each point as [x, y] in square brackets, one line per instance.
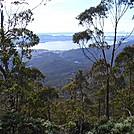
[97, 101]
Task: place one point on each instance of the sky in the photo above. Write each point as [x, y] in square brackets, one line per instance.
[60, 16]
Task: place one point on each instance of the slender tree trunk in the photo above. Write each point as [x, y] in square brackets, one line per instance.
[13, 130]
[80, 127]
[99, 108]
[2, 18]
[129, 90]
[82, 120]
[107, 97]
[48, 111]
[112, 99]
[17, 99]
[12, 102]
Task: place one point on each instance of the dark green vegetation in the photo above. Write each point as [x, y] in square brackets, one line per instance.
[94, 20]
[59, 66]
[96, 100]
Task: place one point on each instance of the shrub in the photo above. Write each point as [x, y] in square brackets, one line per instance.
[126, 126]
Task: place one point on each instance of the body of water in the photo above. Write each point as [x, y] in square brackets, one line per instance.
[57, 45]
[68, 45]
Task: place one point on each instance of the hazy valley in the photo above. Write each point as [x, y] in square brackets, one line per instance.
[59, 65]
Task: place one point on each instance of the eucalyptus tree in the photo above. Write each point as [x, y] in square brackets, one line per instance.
[93, 39]
[15, 50]
[47, 98]
[124, 63]
[19, 84]
[78, 93]
[97, 79]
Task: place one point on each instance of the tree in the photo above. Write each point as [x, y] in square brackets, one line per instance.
[17, 80]
[78, 93]
[97, 79]
[116, 127]
[94, 38]
[13, 122]
[124, 63]
[47, 96]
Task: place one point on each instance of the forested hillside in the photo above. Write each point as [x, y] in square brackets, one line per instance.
[59, 66]
[84, 91]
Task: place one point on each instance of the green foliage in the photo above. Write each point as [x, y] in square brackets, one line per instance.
[94, 32]
[124, 60]
[17, 81]
[58, 67]
[13, 122]
[94, 20]
[125, 126]
[70, 128]
[28, 106]
[124, 68]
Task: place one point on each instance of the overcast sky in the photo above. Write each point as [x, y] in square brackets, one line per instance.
[59, 16]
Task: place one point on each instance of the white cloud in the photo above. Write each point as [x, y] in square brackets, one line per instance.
[55, 21]
[59, 16]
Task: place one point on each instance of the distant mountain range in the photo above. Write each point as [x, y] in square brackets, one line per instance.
[48, 37]
[58, 66]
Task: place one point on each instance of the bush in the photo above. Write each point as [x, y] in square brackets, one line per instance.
[15, 123]
[111, 127]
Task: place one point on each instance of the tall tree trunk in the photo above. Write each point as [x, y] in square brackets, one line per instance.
[130, 90]
[107, 97]
[48, 111]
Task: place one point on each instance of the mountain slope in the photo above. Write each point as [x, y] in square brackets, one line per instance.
[58, 66]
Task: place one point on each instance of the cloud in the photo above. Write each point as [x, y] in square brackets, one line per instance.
[59, 16]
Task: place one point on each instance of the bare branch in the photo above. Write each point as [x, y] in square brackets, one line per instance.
[83, 50]
[124, 38]
[129, 112]
[40, 4]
